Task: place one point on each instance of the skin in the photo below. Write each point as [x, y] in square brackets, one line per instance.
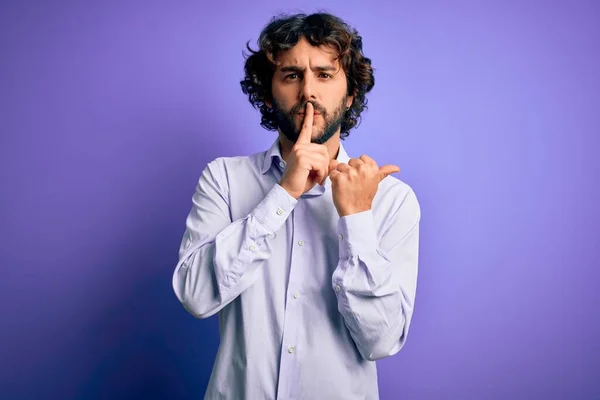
[306, 73]
[309, 89]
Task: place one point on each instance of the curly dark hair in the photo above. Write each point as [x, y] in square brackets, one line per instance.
[282, 33]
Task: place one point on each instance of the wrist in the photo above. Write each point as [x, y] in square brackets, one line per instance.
[343, 212]
[289, 191]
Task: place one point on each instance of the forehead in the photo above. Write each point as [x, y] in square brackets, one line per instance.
[303, 53]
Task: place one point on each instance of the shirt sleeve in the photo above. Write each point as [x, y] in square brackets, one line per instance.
[376, 277]
[220, 258]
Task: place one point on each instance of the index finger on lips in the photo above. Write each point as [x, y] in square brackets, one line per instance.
[307, 125]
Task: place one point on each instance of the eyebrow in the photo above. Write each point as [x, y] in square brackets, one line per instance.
[295, 68]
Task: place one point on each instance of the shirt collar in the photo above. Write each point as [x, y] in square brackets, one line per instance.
[274, 155]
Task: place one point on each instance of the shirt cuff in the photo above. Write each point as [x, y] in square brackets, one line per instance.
[275, 208]
[357, 234]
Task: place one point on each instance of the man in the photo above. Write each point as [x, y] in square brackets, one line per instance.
[308, 256]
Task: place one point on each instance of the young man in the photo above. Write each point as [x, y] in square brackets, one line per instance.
[308, 256]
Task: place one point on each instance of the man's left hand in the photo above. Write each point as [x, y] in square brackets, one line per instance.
[355, 184]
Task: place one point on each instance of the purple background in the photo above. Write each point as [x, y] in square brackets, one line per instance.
[109, 112]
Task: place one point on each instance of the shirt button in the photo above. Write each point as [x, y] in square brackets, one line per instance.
[281, 164]
[291, 349]
[279, 211]
[341, 237]
[296, 294]
[301, 243]
[252, 247]
[337, 288]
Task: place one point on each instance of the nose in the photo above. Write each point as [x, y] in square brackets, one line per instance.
[307, 90]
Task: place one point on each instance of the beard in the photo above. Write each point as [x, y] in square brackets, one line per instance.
[287, 124]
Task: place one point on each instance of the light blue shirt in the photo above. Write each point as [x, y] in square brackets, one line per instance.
[307, 301]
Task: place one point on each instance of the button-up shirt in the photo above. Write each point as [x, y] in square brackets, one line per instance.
[306, 300]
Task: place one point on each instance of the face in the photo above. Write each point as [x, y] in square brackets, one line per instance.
[306, 73]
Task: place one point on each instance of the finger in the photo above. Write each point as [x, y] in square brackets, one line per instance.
[317, 152]
[320, 149]
[332, 164]
[367, 160]
[317, 175]
[326, 171]
[316, 164]
[343, 167]
[321, 174]
[355, 162]
[330, 168]
[387, 170]
[324, 174]
[307, 125]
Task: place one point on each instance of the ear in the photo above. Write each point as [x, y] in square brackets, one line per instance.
[349, 102]
[268, 103]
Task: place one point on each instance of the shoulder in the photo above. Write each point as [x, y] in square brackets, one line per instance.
[396, 196]
[397, 188]
[222, 170]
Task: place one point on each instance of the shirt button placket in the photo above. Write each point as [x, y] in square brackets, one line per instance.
[288, 372]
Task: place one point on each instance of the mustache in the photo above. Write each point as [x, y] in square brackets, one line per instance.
[300, 107]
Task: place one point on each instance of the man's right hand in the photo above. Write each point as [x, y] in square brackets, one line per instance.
[308, 163]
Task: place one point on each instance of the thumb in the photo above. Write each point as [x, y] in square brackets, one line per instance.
[332, 165]
[388, 170]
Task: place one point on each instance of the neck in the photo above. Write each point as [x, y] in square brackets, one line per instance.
[332, 145]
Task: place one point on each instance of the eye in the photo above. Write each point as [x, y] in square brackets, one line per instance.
[325, 75]
[291, 76]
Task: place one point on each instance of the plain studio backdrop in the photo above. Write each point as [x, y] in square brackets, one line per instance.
[110, 111]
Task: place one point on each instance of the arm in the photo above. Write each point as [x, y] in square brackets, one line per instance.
[376, 277]
[220, 258]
